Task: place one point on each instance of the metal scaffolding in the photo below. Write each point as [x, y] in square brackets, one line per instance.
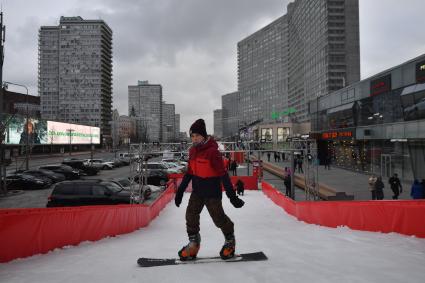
[306, 149]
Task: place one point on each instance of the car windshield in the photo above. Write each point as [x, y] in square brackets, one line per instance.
[113, 186]
[124, 182]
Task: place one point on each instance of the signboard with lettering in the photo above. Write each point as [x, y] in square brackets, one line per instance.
[420, 72]
[335, 135]
[381, 85]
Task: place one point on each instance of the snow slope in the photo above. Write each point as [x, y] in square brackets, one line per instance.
[298, 252]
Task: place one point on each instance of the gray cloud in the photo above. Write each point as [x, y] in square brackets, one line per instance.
[189, 46]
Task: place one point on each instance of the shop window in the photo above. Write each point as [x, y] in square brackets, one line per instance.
[413, 102]
[267, 134]
[282, 134]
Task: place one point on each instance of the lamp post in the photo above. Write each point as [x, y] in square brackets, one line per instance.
[376, 117]
[26, 122]
[70, 140]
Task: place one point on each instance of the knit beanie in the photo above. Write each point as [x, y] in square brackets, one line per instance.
[199, 128]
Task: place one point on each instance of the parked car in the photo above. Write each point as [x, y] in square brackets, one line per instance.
[26, 182]
[88, 192]
[67, 171]
[116, 162]
[174, 165]
[125, 183]
[81, 166]
[100, 164]
[40, 173]
[155, 177]
[155, 166]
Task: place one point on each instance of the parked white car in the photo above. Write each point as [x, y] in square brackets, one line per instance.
[173, 165]
[100, 163]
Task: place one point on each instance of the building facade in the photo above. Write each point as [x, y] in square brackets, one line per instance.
[145, 103]
[230, 112]
[376, 125]
[218, 123]
[177, 126]
[310, 51]
[168, 122]
[75, 72]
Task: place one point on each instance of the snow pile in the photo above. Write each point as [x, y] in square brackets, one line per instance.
[297, 252]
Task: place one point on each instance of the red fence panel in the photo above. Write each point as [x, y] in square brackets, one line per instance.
[26, 232]
[400, 216]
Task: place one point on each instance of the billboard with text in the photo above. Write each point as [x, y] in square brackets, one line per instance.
[64, 133]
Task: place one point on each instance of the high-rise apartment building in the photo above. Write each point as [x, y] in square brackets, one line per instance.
[168, 122]
[75, 72]
[323, 52]
[262, 72]
[230, 113]
[145, 103]
[177, 126]
[309, 52]
[218, 123]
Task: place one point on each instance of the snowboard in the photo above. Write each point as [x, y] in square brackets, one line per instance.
[151, 262]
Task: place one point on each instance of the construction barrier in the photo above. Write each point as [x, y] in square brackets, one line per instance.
[26, 232]
[400, 216]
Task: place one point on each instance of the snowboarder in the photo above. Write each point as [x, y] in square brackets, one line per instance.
[206, 171]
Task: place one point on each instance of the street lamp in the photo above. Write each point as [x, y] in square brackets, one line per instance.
[5, 84]
[70, 140]
[377, 117]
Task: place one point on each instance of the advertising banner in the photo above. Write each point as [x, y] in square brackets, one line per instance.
[64, 133]
[15, 132]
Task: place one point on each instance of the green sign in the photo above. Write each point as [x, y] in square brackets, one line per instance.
[277, 115]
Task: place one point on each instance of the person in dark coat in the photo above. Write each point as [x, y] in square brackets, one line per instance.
[300, 165]
[287, 183]
[395, 185]
[417, 190]
[379, 188]
[207, 173]
[268, 156]
[240, 187]
[234, 167]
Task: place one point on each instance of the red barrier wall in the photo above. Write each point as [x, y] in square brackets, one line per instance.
[26, 232]
[401, 216]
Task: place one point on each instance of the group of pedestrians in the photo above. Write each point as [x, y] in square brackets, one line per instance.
[376, 187]
[231, 165]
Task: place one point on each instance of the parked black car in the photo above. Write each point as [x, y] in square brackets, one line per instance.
[54, 177]
[81, 166]
[67, 171]
[26, 182]
[155, 177]
[88, 192]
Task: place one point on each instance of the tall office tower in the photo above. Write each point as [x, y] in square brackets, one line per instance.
[168, 122]
[262, 72]
[218, 123]
[177, 126]
[230, 113]
[324, 52]
[145, 103]
[75, 72]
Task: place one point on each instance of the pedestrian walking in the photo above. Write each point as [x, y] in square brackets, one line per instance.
[417, 190]
[300, 164]
[287, 181]
[234, 167]
[268, 156]
[379, 188]
[395, 185]
[371, 181]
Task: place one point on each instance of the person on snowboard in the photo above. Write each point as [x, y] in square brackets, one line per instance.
[207, 173]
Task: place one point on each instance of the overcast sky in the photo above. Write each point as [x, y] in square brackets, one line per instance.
[189, 46]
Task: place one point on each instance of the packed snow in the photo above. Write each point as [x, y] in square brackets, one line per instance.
[297, 252]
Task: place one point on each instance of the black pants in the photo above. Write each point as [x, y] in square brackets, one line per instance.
[373, 195]
[215, 209]
[396, 192]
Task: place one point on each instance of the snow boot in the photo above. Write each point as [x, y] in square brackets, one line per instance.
[190, 251]
[228, 249]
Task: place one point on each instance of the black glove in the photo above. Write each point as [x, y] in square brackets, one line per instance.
[178, 198]
[236, 202]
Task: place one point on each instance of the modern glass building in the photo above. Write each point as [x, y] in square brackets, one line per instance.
[376, 125]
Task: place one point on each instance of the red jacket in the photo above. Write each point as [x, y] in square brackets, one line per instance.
[206, 170]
